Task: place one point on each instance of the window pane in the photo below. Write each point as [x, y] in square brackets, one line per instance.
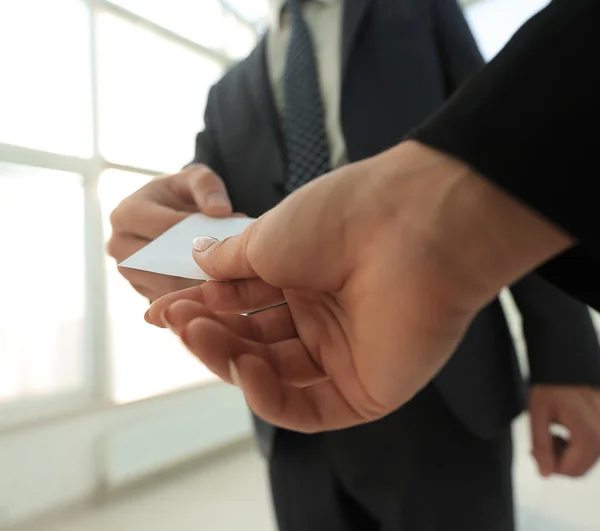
[41, 282]
[199, 20]
[146, 361]
[45, 69]
[152, 96]
[241, 39]
[494, 21]
[254, 11]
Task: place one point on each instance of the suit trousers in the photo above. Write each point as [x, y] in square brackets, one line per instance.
[418, 469]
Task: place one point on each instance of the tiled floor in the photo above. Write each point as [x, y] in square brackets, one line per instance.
[230, 494]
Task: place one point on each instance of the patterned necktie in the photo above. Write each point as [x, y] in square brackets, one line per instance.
[303, 113]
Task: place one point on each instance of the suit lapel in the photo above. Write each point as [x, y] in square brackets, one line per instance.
[262, 92]
[354, 14]
[257, 75]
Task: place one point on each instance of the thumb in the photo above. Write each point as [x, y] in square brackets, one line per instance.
[224, 260]
[543, 449]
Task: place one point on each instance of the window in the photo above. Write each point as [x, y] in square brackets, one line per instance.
[254, 11]
[200, 21]
[42, 315]
[98, 97]
[493, 22]
[46, 100]
[152, 94]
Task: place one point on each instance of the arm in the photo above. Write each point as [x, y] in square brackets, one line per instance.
[460, 56]
[562, 343]
[564, 357]
[519, 122]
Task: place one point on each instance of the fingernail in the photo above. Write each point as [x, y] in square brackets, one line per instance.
[147, 317]
[217, 199]
[203, 242]
[235, 374]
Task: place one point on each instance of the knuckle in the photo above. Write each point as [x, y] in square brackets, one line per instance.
[195, 167]
[116, 216]
[112, 247]
[121, 216]
[204, 177]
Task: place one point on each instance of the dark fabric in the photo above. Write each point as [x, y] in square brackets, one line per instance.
[303, 115]
[441, 477]
[529, 122]
[397, 72]
[569, 335]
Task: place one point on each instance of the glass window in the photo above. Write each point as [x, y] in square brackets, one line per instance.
[42, 313]
[493, 22]
[254, 11]
[152, 96]
[146, 361]
[200, 20]
[45, 65]
[240, 38]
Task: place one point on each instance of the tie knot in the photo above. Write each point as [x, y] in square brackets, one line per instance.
[295, 6]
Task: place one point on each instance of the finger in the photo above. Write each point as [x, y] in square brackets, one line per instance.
[543, 450]
[121, 246]
[214, 344]
[241, 296]
[578, 458]
[154, 286]
[144, 218]
[584, 444]
[271, 326]
[235, 296]
[208, 191]
[227, 259]
[316, 408]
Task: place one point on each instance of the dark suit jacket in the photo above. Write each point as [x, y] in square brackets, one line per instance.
[401, 60]
[529, 122]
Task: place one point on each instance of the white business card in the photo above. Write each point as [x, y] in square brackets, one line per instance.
[171, 252]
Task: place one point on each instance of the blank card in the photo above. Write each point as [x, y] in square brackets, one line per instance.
[171, 252]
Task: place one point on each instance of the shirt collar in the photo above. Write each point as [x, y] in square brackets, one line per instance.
[275, 7]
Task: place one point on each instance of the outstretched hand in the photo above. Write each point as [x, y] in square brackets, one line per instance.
[378, 290]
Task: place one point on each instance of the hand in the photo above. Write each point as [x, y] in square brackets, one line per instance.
[382, 263]
[156, 207]
[576, 408]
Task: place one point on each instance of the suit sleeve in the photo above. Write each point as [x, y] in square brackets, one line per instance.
[562, 343]
[459, 53]
[206, 150]
[528, 121]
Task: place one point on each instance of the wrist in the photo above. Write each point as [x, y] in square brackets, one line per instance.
[487, 238]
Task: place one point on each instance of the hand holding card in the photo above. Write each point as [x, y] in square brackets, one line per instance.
[171, 252]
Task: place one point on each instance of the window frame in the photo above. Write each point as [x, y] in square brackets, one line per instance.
[96, 391]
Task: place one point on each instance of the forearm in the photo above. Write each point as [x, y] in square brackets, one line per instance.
[562, 344]
[486, 238]
[520, 122]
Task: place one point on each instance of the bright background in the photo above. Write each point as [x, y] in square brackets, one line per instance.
[97, 97]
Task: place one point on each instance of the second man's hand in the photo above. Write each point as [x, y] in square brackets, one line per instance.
[155, 208]
[383, 265]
